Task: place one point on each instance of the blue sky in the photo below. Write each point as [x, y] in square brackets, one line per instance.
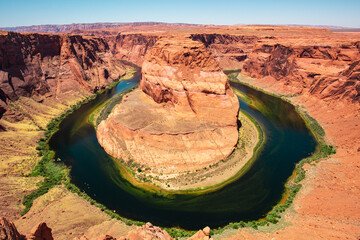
[313, 12]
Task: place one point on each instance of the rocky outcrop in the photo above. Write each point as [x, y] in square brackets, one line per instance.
[40, 232]
[53, 66]
[324, 71]
[186, 77]
[148, 232]
[201, 235]
[8, 231]
[307, 60]
[131, 47]
[183, 118]
[230, 51]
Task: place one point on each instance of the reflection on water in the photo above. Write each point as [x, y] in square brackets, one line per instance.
[249, 198]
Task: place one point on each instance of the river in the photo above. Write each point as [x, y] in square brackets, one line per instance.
[288, 140]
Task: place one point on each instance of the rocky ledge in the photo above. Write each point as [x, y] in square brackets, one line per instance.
[183, 117]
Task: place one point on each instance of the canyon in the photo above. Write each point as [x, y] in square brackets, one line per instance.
[42, 75]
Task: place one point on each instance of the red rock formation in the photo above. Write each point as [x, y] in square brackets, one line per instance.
[201, 235]
[310, 60]
[53, 65]
[183, 74]
[8, 231]
[40, 232]
[148, 232]
[131, 47]
[184, 118]
[325, 71]
[230, 51]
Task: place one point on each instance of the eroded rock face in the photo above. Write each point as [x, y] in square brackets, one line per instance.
[148, 232]
[53, 66]
[183, 74]
[8, 230]
[131, 47]
[40, 232]
[328, 72]
[183, 118]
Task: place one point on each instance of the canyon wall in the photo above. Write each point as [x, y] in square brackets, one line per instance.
[324, 71]
[314, 61]
[44, 64]
[131, 47]
[230, 51]
[53, 66]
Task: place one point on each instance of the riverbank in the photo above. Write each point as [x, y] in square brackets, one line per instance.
[325, 207]
[221, 173]
[101, 111]
[278, 112]
[209, 178]
[19, 156]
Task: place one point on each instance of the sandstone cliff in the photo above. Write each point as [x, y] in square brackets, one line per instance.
[53, 66]
[309, 60]
[230, 51]
[323, 71]
[184, 118]
[131, 47]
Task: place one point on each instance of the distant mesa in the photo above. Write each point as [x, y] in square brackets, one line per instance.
[183, 117]
[62, 28]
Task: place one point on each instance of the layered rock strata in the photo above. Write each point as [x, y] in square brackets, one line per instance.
[183, 117]
[53, 66]
[324, 71]
[310, 61]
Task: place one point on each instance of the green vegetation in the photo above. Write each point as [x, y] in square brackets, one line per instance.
[56, 173]
[179, 233]
[53, 172]
[232, 71]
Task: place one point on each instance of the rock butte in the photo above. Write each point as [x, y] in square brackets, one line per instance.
[183, 117]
